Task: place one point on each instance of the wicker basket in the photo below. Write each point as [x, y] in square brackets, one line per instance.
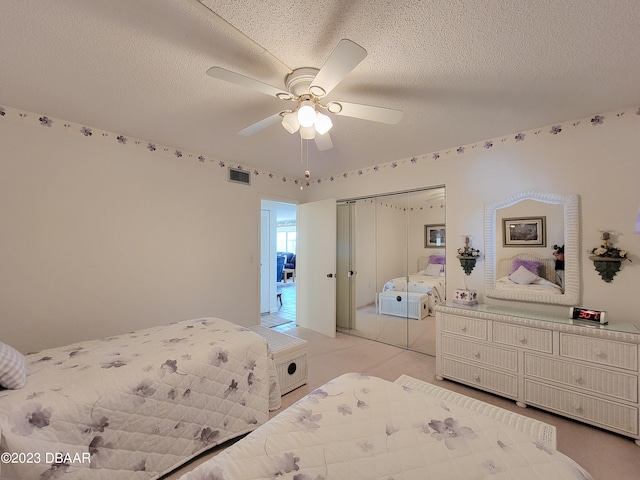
[290, 356]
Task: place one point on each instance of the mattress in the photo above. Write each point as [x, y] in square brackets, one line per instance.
[360, 427]
[136, 406]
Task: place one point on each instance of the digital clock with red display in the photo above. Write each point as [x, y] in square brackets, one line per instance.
[579, 313]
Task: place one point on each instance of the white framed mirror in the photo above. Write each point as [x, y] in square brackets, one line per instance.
[556, 221]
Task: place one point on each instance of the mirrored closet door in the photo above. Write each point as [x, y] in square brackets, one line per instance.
[389, 248]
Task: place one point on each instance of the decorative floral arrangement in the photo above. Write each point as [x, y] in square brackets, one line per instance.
[468, 252]
[608, 251]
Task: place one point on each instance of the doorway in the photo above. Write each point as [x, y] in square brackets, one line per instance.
[278, 249]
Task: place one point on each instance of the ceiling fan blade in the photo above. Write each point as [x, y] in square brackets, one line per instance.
[342, 60]
[367, 112]
[323, 142]
[232, 77]
[262, 124]
[224, 26]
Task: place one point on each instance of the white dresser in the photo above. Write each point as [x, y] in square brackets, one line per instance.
[588, 373]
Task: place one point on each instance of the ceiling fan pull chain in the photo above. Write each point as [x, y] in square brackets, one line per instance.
[307, 174]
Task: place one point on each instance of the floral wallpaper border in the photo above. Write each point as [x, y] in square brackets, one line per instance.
[21, 116]
[94, 133]
[557, 129]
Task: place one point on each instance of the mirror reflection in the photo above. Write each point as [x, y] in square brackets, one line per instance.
[392, 267]
[532, 248]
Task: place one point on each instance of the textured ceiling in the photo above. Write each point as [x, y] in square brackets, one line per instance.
[461, 70]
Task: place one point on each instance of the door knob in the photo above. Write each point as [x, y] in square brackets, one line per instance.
[329, 275]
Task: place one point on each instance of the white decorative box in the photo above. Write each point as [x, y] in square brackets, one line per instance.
[403, 304]
[465, 297]
[290, 356]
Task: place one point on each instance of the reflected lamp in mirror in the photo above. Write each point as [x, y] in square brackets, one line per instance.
[468, 255]
[606, 258]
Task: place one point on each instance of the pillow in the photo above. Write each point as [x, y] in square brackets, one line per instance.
[523, 276]
[532, 265]
[433, 270]
[440, 259]
[13, 367]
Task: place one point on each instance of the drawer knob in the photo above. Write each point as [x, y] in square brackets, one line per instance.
[522, 339]
[577, 378]
[464, 329]
[576, 406]
[599, 353]
[476, 377]
[476, 355]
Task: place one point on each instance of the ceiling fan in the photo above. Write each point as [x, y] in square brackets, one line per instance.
[306, 87]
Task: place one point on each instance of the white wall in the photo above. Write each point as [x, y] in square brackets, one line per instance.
[417, 221]
[597, 160]
[100, 237]
[391, 240]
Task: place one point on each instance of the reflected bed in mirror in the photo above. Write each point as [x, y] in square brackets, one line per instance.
[426, 289]
[529, 274]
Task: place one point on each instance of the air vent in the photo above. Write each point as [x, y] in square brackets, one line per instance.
[239, 176]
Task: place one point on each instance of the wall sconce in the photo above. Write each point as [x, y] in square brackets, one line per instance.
[606, 258]
[468, 256]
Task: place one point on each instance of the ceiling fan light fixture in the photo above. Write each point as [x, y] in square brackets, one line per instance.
[323, 123]
[290, 122]
[307, 114]
[308, 133]
[317, 91]
[284, 96]
[334, 107]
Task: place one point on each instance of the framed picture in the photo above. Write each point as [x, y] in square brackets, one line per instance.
[434, 236]
[524, 232]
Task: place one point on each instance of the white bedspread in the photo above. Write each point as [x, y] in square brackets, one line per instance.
[539, 286]
[357, 427]
[417, 283]
[135, 406]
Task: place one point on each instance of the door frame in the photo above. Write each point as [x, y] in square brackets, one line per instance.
[270, 199]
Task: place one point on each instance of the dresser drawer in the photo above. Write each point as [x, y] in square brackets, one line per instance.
[611, 415]
[604, 352]
[470, 327]
[484, 378]
[598, 380]
[481, 353]
[523, 337]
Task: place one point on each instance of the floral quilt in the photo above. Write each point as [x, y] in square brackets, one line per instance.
[137, 405]
[358, 427]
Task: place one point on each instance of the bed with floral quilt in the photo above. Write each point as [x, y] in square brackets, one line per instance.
[135, 406]
[359, 427]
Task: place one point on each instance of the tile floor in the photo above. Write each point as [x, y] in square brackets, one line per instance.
[287, 311]
[605, 455]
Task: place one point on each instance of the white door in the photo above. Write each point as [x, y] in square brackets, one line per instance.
[316, 267]
[265, 263]
[345, 261]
